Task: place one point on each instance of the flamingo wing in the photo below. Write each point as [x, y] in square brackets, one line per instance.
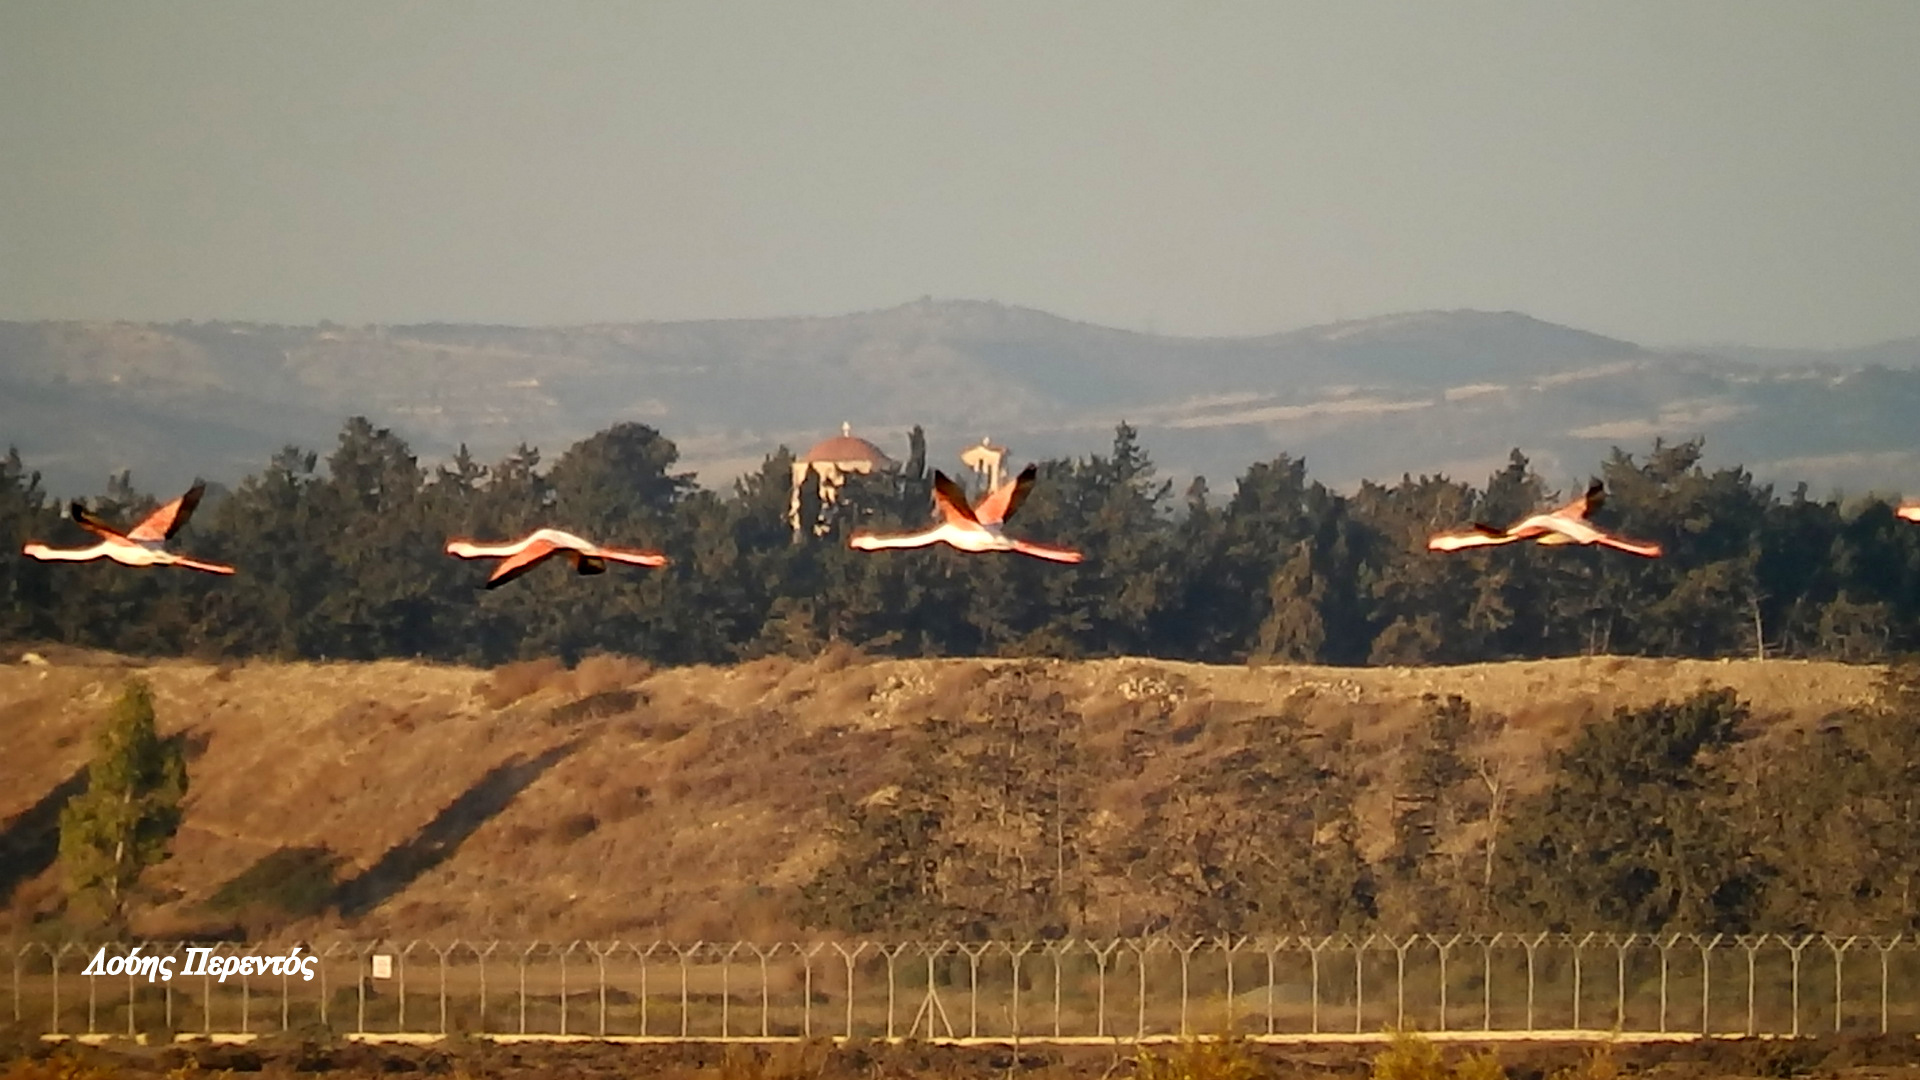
[865, 541]
[585, 565]
[1478, 536]
[1576, 531]
[951, 501]
[93, 523]
[169, 519]
[1579, 532]
[1000, 504]
[1646, 548]
[196, 564]
[1047, 551]
[1539, 525]
[522, 561]
[632, 556]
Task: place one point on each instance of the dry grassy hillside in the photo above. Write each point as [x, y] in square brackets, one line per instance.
[616, 800]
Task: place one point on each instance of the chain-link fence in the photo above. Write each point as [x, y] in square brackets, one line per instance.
[1503, 985]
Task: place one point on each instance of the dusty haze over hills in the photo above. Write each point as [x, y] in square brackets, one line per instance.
[1420, 392]
[1172, 182]
[1721, 170]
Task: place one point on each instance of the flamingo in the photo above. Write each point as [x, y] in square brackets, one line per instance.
[142, 546]
[1910, 511]
[540, 545]
[1566, 525]
[973, 529]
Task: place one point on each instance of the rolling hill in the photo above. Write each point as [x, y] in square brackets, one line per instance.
[694, 802]
[1372, 398]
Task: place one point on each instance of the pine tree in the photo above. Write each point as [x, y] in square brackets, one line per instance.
[131, 808]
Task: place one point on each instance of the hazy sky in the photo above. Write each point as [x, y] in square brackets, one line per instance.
[1669, 172]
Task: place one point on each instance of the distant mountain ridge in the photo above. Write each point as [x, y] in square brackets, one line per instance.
[1429, 391]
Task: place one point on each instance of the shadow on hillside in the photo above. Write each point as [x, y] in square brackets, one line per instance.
[441, 837]
[30, 841]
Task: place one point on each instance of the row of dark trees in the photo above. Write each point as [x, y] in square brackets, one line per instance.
[344, 560]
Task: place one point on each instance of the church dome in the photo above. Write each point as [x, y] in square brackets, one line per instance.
[846, 447]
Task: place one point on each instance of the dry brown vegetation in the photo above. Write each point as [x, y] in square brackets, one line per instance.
[1839, 1058]
[615, 799]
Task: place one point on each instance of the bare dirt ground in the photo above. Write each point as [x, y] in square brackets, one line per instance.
[1875, 1058]
[615, 799]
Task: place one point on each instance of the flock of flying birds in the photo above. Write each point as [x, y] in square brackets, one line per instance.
[975, 528]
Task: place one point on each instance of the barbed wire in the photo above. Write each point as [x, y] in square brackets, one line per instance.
[1327, 986]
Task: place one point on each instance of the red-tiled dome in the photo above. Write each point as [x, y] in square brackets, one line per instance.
[847, 447]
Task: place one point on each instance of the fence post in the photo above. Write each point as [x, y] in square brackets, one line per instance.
[1014, 956]
[685, 1006]
[1229, 947]
[285, 1001]
[1140, 950]
[1271, 949]
[930, 1004]
[1444, 948]
[1359, 984]
[1752, 944]
[400, 1022]
[1706, 980]
[600, 973]
[643, 956]
[849, 958]
[891, 955]
[1057, 948]
[1666, 947]
[130, 1031]
[765, 990]
[1620, 981]
[1884, 947]
[1486, 981]
[1399, 981]
[974, 953]
[806, 986]
[564, 996]
[1313, 952]
[726, 988]
[1794, 950]
[1530, 946]
[1839, 962]
[1186, 956]
[481, 1022]
[1100, 958]
[1578, 949]
[246, 995]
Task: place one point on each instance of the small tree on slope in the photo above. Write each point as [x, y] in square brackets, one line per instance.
[124, 821]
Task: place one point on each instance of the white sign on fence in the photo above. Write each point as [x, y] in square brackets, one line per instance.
[383, 965]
